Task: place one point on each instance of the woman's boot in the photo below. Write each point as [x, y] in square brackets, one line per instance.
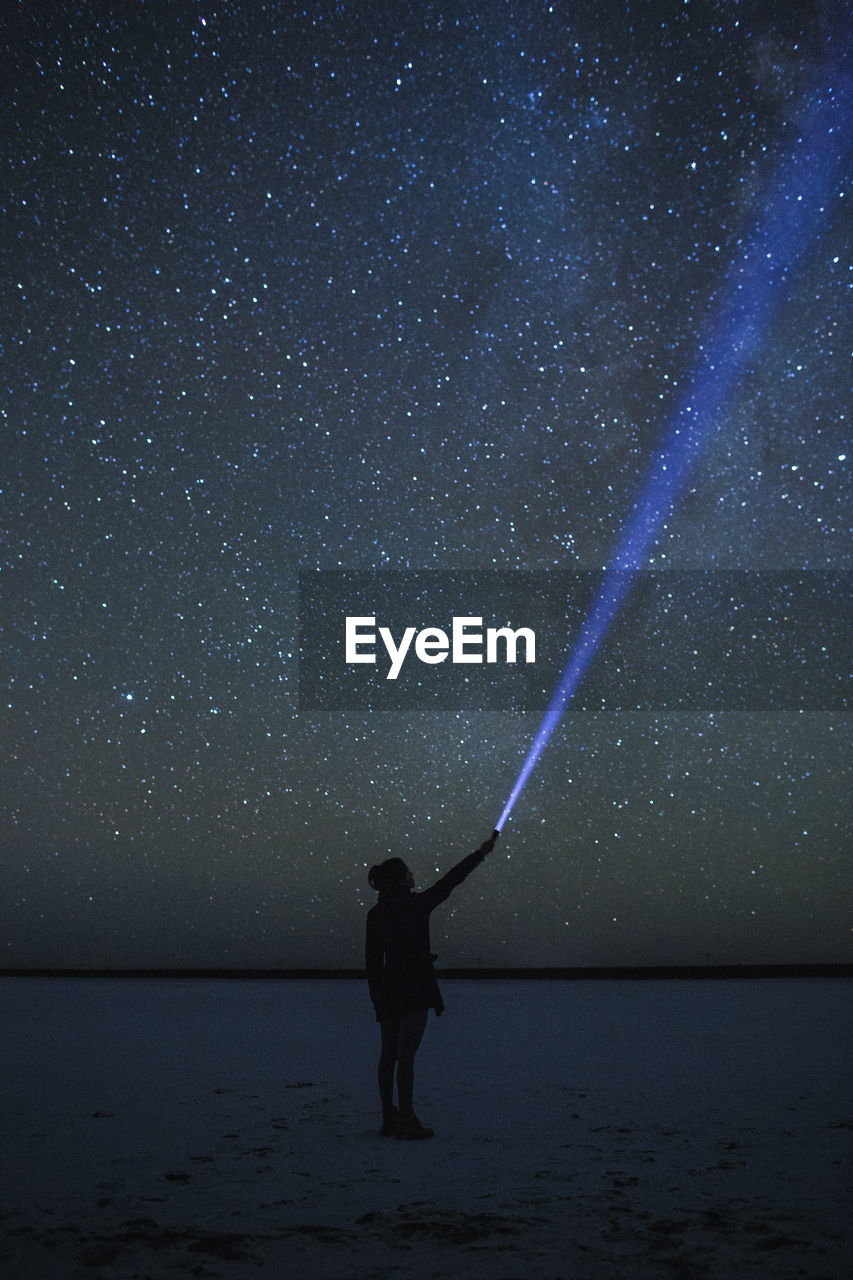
[409, 1126]
[389, 1123]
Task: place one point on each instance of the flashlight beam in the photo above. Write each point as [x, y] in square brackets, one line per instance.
[801, 189]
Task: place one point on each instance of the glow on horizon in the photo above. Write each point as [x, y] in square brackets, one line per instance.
[788, 226]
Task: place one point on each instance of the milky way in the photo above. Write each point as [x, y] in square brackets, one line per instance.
[404, 288]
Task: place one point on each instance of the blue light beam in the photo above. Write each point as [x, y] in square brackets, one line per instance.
[802, 187]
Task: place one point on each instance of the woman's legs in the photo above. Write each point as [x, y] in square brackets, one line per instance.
[412, 1027]
[390, 1031]
[400, 1040]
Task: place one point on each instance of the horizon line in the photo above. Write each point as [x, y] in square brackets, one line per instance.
[829, 969]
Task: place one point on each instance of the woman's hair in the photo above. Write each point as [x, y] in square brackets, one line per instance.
[387, 875]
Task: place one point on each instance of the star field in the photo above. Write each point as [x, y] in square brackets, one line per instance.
[401, 287]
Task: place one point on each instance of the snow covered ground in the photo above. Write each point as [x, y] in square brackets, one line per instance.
[584, 1130]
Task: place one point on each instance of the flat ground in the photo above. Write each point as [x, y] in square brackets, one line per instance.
[591, 1129]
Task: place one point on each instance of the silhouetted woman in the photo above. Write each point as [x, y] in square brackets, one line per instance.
[401, 978]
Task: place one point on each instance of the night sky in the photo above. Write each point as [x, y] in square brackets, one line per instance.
[405, 287]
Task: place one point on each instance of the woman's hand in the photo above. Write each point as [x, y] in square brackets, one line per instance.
[489, 844]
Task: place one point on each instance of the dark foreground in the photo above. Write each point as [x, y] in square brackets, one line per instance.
[187, 1127]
